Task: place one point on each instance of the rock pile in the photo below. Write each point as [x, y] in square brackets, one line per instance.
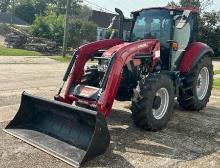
[22, 41]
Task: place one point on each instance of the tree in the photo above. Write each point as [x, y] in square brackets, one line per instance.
[209, 31]
[26, 12]
[40, 28]
[173, 4]
[4, 5]
[40, 7]
[88, 31]
[81, 31]
[51, 27]
[199, 4]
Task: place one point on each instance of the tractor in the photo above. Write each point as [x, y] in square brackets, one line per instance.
[161, 63]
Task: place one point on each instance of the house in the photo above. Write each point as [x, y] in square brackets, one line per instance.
[104, 20]
[7, 18]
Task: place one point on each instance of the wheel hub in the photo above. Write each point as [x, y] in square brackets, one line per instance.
[202, 83]
[161, 103]
[157, 102]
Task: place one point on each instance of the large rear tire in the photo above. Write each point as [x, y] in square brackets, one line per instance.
[152, 109]
[197, 85]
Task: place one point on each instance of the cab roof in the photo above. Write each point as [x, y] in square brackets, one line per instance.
[194, 10]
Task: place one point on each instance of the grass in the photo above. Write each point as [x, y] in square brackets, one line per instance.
[61, 59]
[216, 84]
[217, 72]
[17, 52]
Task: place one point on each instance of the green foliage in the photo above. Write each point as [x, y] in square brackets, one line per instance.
[109, 33]
[173, 4]
[26, 12]
[88, 30]
[217, 72]
[56, 29]
[81, 31]
[40, 7]
[51, 27]
[199, 4]
[209, 32]
[216, 83]
[190, 3]
[40, 28]
[59, 7]
[4, 5]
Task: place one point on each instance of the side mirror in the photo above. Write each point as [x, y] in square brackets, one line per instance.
[184, 19]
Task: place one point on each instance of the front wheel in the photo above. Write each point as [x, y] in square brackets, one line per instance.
[152, 109]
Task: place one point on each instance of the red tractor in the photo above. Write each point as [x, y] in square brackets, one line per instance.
[161, 61]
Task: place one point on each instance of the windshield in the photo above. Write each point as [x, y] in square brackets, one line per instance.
[152, 24]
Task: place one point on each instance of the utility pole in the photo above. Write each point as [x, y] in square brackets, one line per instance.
[12, 10]
[66, 27]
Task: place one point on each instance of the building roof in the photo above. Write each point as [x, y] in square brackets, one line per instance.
[6, 19]
[103, 19]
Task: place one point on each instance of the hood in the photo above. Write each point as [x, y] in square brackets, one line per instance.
[145, 46]
[109, 52]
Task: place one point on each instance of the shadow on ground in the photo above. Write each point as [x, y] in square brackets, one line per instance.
[189, 136]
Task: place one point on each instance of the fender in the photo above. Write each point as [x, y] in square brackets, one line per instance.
[192, 55]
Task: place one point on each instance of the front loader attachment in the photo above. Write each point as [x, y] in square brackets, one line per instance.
[70, 133]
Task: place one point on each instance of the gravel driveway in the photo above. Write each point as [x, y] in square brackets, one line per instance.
[192, 139]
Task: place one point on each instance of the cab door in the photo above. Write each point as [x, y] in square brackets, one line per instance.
[182, 36]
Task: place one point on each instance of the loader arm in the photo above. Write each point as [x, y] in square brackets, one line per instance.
[120, 58]
[84, 53]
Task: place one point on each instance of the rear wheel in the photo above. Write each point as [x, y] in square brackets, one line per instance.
[197, 86]
[152, 109]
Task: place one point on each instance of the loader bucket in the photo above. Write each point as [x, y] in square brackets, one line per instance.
[70, 133]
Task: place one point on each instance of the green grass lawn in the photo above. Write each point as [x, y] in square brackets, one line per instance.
[61, 59]
[216, 84]
[17, 52]
[217, 72]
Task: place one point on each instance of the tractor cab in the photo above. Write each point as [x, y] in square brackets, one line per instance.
[174, 28]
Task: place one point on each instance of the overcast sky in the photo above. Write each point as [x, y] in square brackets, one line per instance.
[131, 5]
